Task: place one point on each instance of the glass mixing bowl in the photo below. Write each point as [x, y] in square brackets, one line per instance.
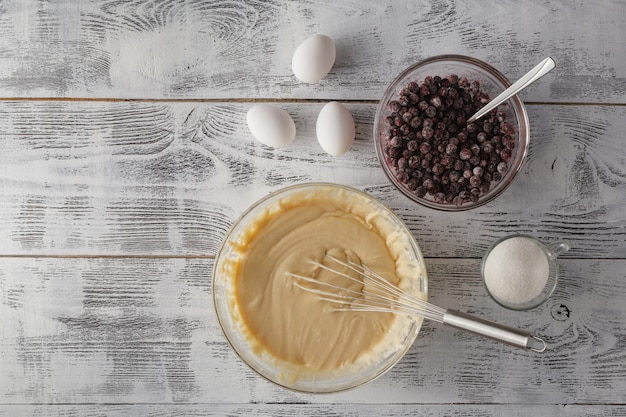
[294, 376]
[491, 82]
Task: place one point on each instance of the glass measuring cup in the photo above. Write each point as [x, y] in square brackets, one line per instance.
[520, 272]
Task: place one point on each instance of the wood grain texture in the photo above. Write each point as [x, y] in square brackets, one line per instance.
[125, 158]
[313, 410]
[128, 331]
[170, 178]
[228, 49]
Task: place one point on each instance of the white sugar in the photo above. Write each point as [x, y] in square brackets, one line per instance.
[516, 270]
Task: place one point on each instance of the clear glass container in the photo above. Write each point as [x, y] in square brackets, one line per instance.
[504, 297]
[493, 83]
[282, 373]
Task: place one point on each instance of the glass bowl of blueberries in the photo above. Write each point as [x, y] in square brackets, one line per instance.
[429, 151]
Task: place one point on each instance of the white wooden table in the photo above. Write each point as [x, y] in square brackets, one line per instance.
[125, 157]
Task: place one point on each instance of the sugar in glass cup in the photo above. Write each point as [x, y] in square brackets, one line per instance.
[520, 272]
[492, 82]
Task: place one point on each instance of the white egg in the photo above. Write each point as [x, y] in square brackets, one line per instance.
[313, 58]
[335, 128]
[270, 125]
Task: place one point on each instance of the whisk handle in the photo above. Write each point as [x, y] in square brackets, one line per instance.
[506, 334]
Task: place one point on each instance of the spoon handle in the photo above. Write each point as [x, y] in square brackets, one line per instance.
[534, 74]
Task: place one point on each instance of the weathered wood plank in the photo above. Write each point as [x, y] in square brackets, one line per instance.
[85, 178]
[112, 211]
[312, 410]
[139, 331]
[199, 49]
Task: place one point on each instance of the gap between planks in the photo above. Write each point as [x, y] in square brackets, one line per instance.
[9, 256]
[261, 100]
[184, 100]
[5, 256]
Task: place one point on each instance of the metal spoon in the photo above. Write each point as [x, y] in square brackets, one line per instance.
[533, 75]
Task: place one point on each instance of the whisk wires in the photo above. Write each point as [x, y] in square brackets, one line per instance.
[378, 294]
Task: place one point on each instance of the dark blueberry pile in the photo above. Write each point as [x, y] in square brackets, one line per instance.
[432, 150]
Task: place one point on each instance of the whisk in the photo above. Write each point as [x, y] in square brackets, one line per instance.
[387, 297]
